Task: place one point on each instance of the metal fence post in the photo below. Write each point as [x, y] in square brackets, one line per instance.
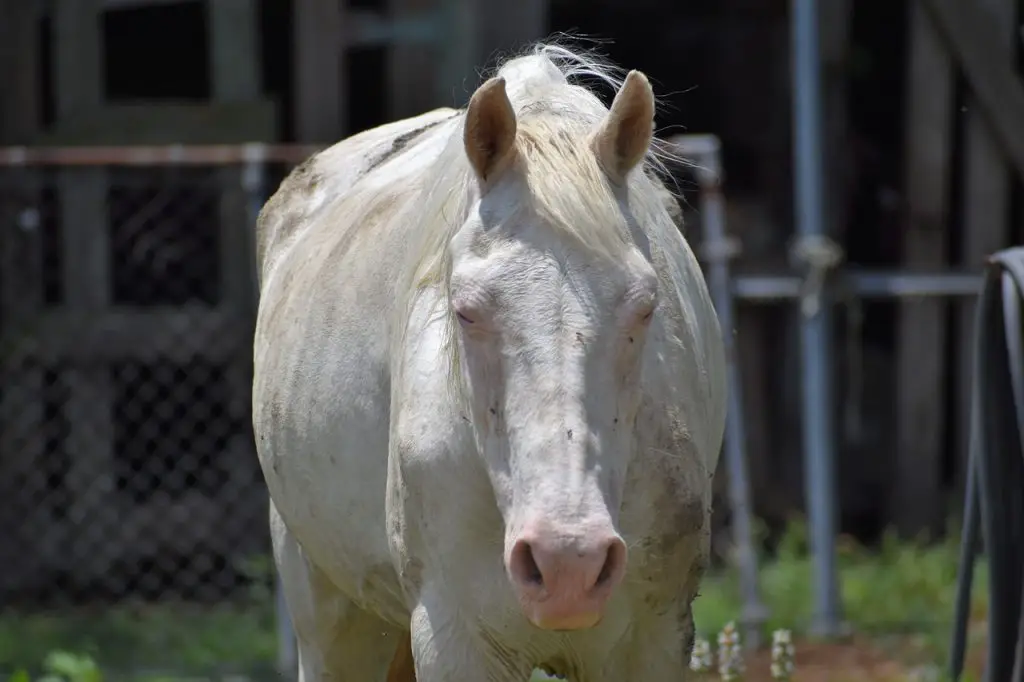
[718, 250]
[815, 317]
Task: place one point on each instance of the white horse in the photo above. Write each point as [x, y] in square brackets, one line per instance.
[489, 391]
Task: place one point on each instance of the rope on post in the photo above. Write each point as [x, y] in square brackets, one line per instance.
[820, 255]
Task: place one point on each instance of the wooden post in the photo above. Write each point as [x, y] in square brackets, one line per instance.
[19, 71]
[986, 214]
[86, 277]
[411, 69]
[23, 519]
[236, 77]
[455, 76]
[915, 493]
[320, 84]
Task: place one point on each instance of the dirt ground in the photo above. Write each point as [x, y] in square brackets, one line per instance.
[831, 662]
[855, 660]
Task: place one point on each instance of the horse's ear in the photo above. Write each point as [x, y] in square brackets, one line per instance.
[490, 128]
[625, 135]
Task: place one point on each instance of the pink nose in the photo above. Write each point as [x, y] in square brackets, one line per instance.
[564, 585]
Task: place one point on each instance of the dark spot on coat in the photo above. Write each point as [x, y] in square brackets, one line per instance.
[569, 434]
[400, 143]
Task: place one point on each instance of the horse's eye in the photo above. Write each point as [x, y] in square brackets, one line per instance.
[462, 318]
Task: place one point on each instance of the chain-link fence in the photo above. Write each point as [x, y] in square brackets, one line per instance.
[133, 515]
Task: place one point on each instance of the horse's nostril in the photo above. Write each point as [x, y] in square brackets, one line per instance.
[612, 560]
[524, 565]
[606, 571]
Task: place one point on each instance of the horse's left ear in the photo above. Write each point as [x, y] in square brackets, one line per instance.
[625, 135]
[490, 128]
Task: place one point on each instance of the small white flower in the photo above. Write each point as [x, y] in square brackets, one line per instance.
[700, 658]
[782, 655]
[730, 654]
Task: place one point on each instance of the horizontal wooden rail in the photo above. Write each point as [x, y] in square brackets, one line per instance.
[156, 155]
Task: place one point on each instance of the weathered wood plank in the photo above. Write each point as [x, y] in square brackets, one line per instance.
[986, 212]
[170, 527]
[455, 78]
[20, 98]
[971, 34]
[411, 68]
[234, 50]
[22, 413]
[319, 77]
[236, 122]
[86, 279]
[177, 334]
[90, 394]
[236, 76]
[915, 493]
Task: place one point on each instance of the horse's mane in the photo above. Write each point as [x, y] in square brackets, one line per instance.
[556, 114]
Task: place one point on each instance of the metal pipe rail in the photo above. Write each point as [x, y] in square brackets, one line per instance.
[860, 283]
[827, 285]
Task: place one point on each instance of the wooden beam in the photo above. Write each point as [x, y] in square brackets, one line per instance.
[129, 4]
[973, 36]
[456, 76]
[236, 60]
[78, 58]
[234, 51]
[84, 223]
[230, 523]
[411, 69]
[986, 211]
[20, 98]
[320, 83]
[915, 493]
[22, 409]
[168, 123]
[177, 334]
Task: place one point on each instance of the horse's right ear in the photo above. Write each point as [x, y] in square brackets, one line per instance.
[490, 128]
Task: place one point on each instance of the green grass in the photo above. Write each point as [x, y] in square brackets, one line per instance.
[173, 637]
[900, 593]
